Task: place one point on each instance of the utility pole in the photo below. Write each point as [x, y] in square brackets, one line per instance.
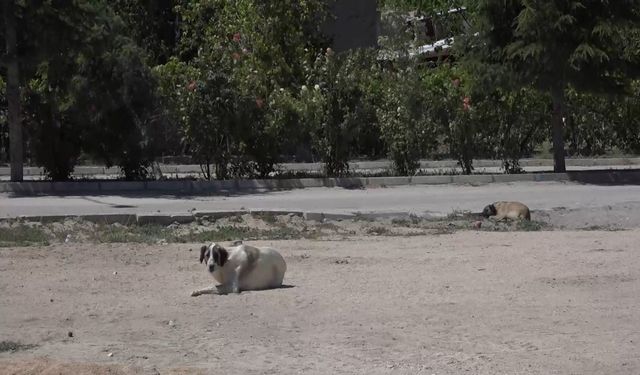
[13, 92]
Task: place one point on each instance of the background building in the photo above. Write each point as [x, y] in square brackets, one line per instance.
[355, 24]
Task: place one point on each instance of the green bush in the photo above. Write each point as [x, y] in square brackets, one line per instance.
[334, 105]
[243, 85]
[95, 98]
[589, 125]
[120, 109]
[455, 114]
[55, 140]
[627, 121]
[205, 108]
[514, 122]
[476, 119]
[406, 120]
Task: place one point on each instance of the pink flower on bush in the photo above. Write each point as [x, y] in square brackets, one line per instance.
[192, 86]
[259, 102]
[456, 82]
[235, 56]
[466, 103]
[237, 37]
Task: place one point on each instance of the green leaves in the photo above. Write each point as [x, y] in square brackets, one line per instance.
[89, 88]
[427, 6]
[552, 42]
[406, 116]
[242, 85]
[243, 119]
[559, 44]
[520, 50]
[585, 54]
[335, 107]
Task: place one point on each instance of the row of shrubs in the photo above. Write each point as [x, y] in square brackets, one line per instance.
[354, 105]
[349, 107]
[245, 87]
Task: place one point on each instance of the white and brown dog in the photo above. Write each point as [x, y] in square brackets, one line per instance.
[242, 267]
[507, 210]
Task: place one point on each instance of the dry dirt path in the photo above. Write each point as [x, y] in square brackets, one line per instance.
[469, 302]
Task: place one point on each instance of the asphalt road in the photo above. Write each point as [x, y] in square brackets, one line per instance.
[433, 200]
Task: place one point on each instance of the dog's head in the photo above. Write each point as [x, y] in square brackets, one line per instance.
[213, 256]
[490, 210]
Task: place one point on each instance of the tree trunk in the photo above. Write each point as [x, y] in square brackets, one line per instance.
[557, 96]
[13, 92]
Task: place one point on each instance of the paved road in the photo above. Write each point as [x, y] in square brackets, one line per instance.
[434, 200]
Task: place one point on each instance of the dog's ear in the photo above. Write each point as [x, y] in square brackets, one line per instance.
[203, 251]
[223, 256]
[492, 207]
[489, 210]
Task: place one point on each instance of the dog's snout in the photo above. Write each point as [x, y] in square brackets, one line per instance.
[211, 267]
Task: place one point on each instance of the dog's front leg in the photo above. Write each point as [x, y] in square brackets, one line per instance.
[233, 286]
[210, 290]
[223, 289]
[235, 282]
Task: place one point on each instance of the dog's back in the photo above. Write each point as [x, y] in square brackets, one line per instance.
[278, 265]
[512, 210]
[266, 268]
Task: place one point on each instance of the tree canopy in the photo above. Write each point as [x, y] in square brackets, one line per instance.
[554, 45]
[242, 86]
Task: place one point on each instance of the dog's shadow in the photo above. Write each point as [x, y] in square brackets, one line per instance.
[285, 286]
[220, 293]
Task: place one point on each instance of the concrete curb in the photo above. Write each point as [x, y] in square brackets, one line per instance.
[189, 187]
[197, 216]
[167, 219]
[92, 170]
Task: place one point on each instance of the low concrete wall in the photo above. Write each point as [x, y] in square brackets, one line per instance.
[188, 187]
[183, 169]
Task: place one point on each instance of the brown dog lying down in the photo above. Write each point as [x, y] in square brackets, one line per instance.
[507, 210]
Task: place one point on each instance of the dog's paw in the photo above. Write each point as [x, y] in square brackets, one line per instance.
[195, 293]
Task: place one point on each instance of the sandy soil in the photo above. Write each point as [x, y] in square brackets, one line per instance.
[469, 302]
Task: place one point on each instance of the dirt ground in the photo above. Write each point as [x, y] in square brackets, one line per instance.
[470, 302]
